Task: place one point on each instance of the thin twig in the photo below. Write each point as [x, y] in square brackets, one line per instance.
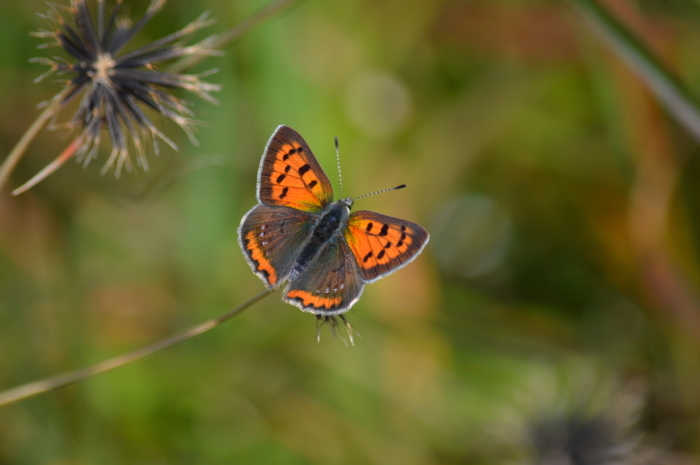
[18, 151]
[40, 387]
[66, 155]
[234, 33]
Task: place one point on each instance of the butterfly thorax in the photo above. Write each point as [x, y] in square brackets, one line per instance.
[333, 220]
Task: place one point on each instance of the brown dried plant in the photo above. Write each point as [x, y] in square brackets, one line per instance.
[117, 88]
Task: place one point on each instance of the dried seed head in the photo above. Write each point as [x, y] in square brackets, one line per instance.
[115, 87]
[575, 413]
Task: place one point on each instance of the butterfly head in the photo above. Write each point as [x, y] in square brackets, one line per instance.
[348, 201]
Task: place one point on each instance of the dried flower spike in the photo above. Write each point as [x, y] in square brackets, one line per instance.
[115, 87]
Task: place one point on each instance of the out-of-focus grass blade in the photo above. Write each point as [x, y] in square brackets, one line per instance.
[675, 96]
[234, 33]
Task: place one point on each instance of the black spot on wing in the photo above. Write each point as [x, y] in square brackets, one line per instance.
[287, 168]
[284, 192]
[380, 255]
[280, 178]
[367, 257]
[304, 169]
[312, 184]
[369, 226]
[385, 230]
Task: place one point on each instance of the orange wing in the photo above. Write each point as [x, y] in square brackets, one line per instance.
[290, 176]
[382, 244]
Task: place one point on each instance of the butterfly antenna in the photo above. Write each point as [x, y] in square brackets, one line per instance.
[337, 158]
[379, 192]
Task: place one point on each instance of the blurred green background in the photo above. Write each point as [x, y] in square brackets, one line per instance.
[554, 318]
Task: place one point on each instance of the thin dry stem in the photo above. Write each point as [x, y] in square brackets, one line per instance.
[21, 147]
[66, 155]
[234, 33]
[26, 391]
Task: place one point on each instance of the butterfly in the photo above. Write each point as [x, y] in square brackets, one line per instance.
[297, 234]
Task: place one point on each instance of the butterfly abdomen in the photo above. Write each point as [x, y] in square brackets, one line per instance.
[330, 223]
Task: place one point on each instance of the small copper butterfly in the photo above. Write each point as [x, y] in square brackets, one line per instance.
[297, 234]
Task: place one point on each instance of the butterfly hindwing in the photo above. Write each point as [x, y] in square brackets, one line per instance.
[290, 176]
[382, 244]
[330, 284]
[272, 237]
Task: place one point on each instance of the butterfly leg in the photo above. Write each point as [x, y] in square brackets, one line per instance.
[332, 322]
[350, 330]
[321, 321]
[319, 325]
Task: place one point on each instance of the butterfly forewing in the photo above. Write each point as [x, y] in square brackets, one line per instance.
[382, 244]
[330, 285]
[272, 237]
[290, 176]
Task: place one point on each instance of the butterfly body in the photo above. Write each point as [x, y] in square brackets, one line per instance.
[330, 225]
[297, 234]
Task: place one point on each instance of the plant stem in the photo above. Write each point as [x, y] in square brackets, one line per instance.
[677, 99]
[49, 384]
[66, 155]
[234, 33]
[21, 147]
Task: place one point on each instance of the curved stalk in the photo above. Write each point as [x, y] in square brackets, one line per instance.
[21, 147]
[66, 155]
[36, 388]
[234, 33]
